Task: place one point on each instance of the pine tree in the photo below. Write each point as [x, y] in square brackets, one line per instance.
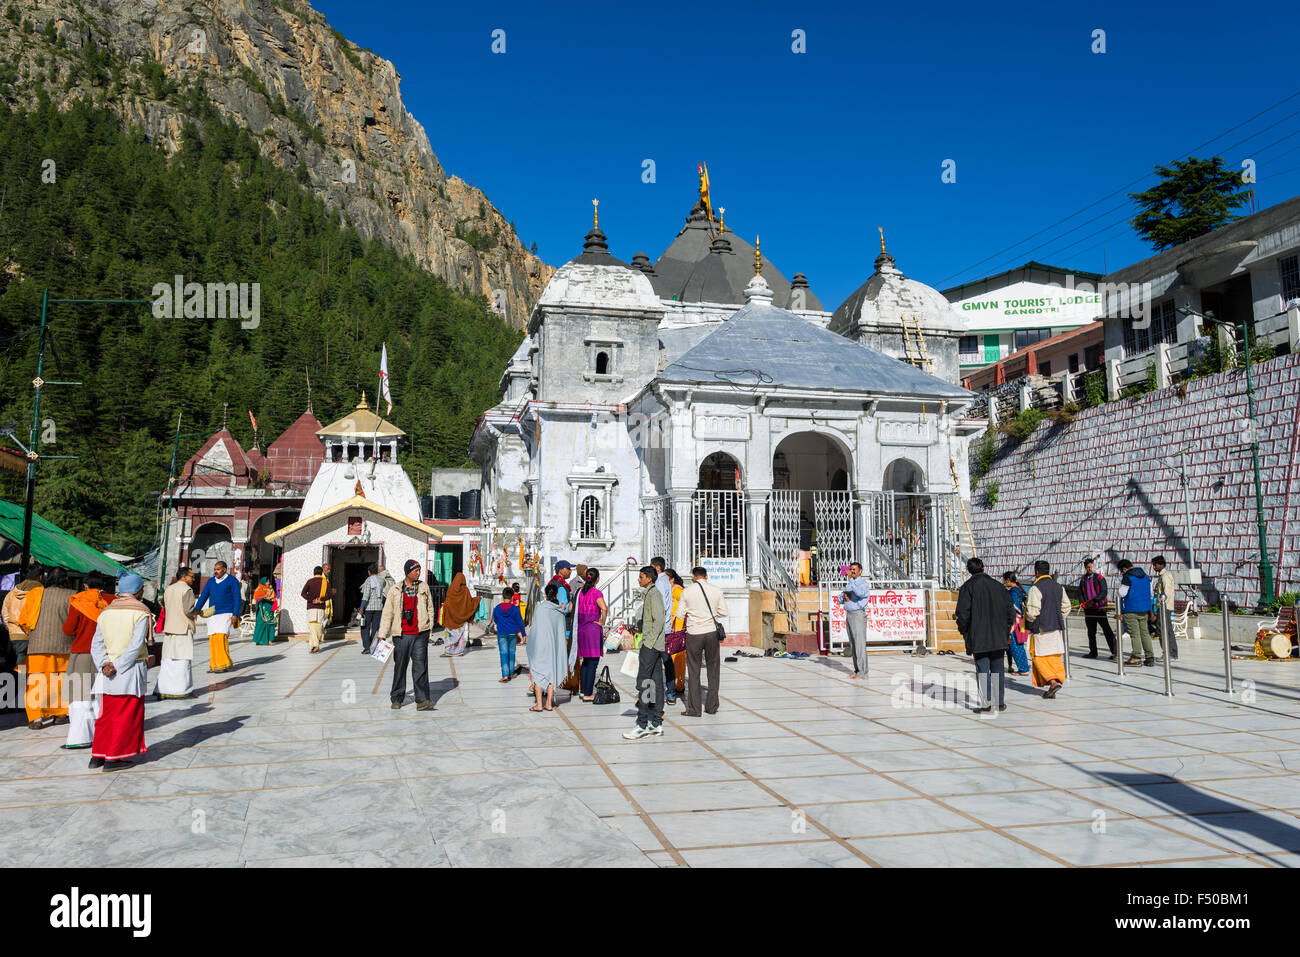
[1194, 197]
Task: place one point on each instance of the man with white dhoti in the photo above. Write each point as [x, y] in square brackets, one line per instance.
[176, 669]
[84, 610]
[118, 650]
[1045, 613]
[222, 591]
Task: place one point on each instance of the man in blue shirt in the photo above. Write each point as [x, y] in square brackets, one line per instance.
[854, 598]
[222, 592]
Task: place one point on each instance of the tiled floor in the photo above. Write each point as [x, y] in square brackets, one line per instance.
[296, 759]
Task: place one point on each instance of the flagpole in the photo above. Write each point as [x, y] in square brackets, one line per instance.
[374, 442]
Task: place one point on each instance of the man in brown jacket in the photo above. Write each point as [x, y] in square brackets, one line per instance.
[406, 622]
[44, 610]
[318, 592]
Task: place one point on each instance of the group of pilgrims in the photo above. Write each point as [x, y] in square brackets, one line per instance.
[88, 651]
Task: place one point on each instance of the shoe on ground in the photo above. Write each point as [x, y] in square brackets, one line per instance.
[984, 710]
[1133, 660]
[690, 714]
[1002, 707]
[657, 729]
[63, 718]
[396, 705]
[1091, 654]
[424, 706]
[637, 733]
[117, 765]
[35, 725]
[96, 763]
[1149, 663]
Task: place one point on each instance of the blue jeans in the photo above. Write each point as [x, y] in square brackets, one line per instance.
[506, 647]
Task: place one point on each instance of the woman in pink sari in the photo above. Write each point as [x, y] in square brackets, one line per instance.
[591, 626]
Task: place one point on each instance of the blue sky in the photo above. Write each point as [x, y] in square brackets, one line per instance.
[813, 151]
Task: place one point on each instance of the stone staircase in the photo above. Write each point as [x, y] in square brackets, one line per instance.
[945, 622]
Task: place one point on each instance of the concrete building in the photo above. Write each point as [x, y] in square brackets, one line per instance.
[1069, 353]
[1021, 307]
[1247, 271]
[227, 501]
[677, 408]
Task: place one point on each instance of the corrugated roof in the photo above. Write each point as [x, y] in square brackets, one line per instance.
[762, 345]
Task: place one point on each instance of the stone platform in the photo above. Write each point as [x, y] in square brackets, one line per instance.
[297, 759]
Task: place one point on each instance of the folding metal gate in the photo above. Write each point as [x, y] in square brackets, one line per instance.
[718, 524]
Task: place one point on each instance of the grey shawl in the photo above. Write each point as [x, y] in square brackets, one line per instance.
[549, 660]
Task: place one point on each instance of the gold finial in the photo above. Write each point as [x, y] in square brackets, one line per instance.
[595, 214]
[722, 219]
[882, 240]
[758, 259]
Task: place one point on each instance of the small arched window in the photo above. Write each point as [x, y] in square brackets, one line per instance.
[589, 518]
[602, 363]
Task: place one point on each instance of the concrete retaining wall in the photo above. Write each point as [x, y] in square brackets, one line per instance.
[1099, 486]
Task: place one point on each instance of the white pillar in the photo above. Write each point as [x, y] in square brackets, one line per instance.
[755, 516]
[1162, 365]
[683, 549]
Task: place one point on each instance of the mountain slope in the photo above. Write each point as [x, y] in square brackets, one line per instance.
[315, 103]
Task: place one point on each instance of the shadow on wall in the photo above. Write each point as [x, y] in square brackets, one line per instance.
[1173, 540]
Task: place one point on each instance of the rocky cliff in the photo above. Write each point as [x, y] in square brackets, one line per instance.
[315, 102]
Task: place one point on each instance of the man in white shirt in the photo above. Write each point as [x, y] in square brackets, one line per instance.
[704, 607]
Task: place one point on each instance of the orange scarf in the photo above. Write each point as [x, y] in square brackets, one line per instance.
[90, 602]
[31, 609]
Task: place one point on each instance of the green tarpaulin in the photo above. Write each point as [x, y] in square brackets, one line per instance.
[52, 546]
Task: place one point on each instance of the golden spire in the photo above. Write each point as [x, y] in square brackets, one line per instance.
[595, 214]
[882, 240]
[722, 219]
[758, 259]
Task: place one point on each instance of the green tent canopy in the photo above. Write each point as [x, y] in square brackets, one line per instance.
[52, 546]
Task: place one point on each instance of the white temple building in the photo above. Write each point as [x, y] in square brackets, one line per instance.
[699, 407]
[360, 509]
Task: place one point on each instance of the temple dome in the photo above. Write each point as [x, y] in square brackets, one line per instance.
[694, 269]
[888, 297]
[596, 279]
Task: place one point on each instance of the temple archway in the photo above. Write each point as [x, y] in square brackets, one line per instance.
[810, 514]
[210, 544]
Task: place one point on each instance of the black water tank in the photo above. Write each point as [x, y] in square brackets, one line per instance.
[426, 506]
[445, 507]
[469, 504]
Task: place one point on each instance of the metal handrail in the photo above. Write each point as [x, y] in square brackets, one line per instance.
[775, 578]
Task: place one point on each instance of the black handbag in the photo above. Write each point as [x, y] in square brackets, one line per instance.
[722, 632]
[605, 692]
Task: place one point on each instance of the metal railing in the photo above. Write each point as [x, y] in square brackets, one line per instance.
[775, 578]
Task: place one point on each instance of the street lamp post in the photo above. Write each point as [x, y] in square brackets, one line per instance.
[1266, 592]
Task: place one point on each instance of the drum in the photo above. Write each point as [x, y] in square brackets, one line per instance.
[1272, 644]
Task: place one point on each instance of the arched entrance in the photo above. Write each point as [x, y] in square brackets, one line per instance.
[914, 530]
[210, 544]
[718, 510]
[810, 514]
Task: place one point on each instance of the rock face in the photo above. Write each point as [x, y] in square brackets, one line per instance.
[314, 102]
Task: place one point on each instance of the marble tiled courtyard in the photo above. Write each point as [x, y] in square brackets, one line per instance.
[295, 759]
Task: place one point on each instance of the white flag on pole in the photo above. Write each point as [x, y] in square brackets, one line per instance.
[384, 390]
